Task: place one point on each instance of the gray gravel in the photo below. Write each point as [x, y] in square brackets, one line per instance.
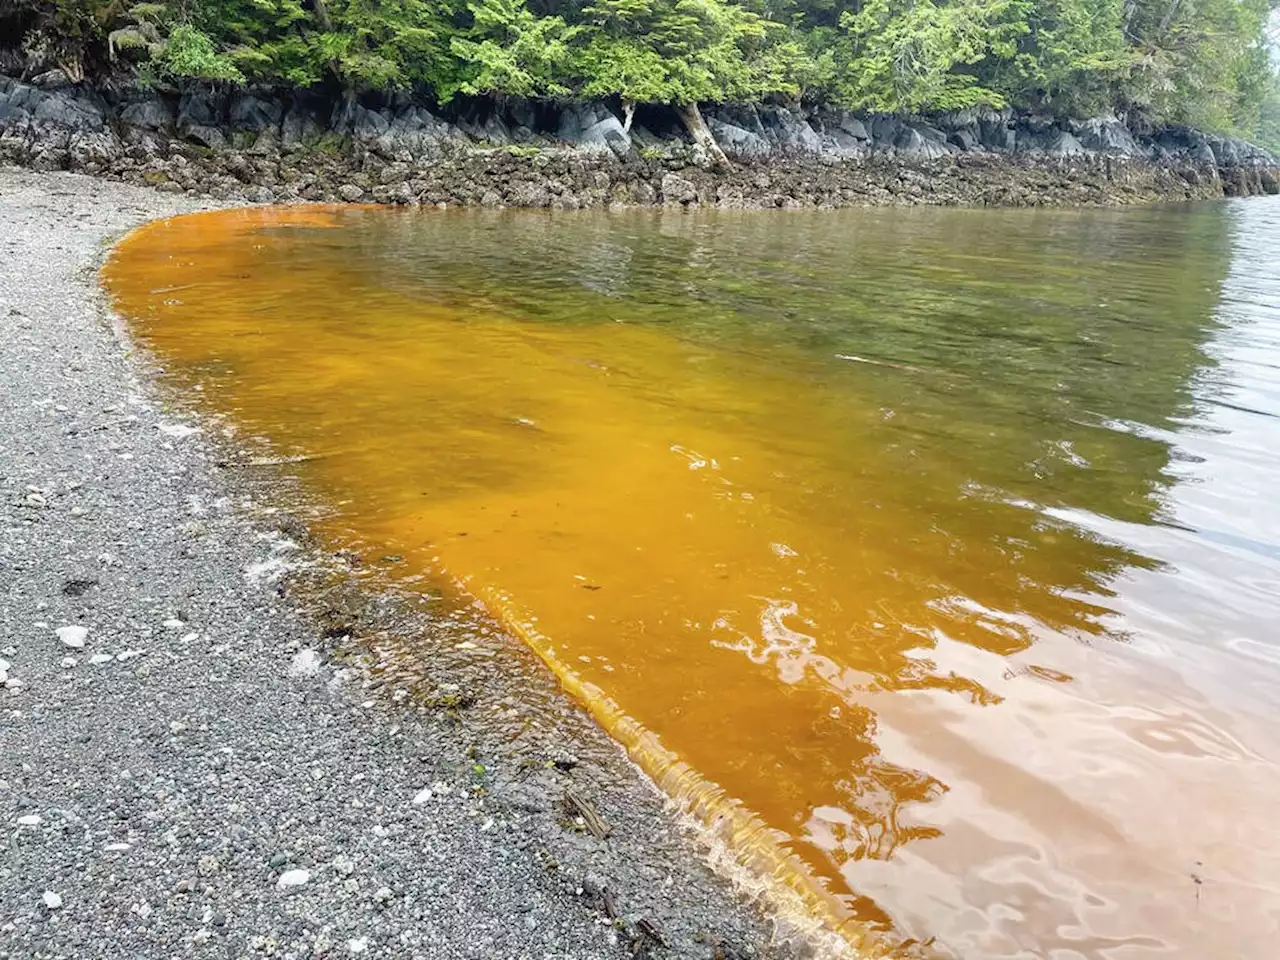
[236, 765]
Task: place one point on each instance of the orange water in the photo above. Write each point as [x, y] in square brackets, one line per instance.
[869, 535]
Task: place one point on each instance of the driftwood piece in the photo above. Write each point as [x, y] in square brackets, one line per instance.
[582, 807]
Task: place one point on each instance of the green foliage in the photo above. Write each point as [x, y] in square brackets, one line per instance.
[508, 50]
[190, 54]
[918, 54]
[1202, 62]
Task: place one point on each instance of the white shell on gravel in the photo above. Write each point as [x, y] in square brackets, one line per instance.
[293, 878]
[30, 820]
[174, 624]
[51, 900]
[423, 795]
[98, 658]
[72, 636]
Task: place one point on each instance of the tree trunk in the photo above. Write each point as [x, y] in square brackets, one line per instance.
[691, 117]
[322, 15]
[1167, 21]
[628, 111]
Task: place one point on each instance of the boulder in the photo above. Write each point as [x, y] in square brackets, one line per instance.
[592, 126]
[1061, 143]
[606, 134]
[912, 142]
[1108, 135]
[298, 129]
[884, 131]
[255, 114]
[964, 139]
[150, 114]
[787, 131]
[737, 141]
[677, 190]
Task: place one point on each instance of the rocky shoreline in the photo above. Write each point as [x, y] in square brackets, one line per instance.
[269, 147]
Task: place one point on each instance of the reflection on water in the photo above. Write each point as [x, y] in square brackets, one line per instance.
[945, 541]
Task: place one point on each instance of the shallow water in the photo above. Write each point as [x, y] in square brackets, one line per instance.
[945, 543]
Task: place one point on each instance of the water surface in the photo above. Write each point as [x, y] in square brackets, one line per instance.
[944, 543]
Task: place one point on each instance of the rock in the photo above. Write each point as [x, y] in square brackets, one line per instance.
[1108, 135]
[100, 658]
[153, 114]
[964, 140]
[788, 130]
[343, 865]
[293, 878]
[357, 945]
[737, 141]
[676, 189]
[51, 900]
[422, 796]
[382, 895]
[350, 192]
[30, 820]
[73, 636]
[912, 142]
[1063, 144]
[255, 114]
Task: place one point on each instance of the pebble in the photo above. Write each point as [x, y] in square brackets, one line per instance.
[51, 900]
[30, 820]
[293, 878]
[69, 662]
[422, 796]
[174, 624]
[98, 658]
[358, 944]
[72, 636]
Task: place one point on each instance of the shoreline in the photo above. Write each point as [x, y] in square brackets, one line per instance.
[281, 147]
[247, 709]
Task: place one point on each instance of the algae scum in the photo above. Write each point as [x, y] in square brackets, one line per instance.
[929, 554]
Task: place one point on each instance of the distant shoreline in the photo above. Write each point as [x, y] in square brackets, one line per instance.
[281, 147]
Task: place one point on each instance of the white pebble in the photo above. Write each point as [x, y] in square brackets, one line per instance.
[117, 847]
[305, 663]
[72, 636]
[51, 900]
[174, 624]
[293, 878]
[30, 820]
[176, 430]
[124, 655]
[358, 944]
[69, 662]
[12, 683]
[98, 658]
[422, 796]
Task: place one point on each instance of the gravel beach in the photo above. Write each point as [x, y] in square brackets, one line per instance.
[203, 754]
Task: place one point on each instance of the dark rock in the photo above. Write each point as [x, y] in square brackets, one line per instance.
[151, 114]
[736, 141]
[1062, 144]
[1109, 136]
[964, 139]
[911, 142]
[350, 192]
[788, 131]
[255, 114]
